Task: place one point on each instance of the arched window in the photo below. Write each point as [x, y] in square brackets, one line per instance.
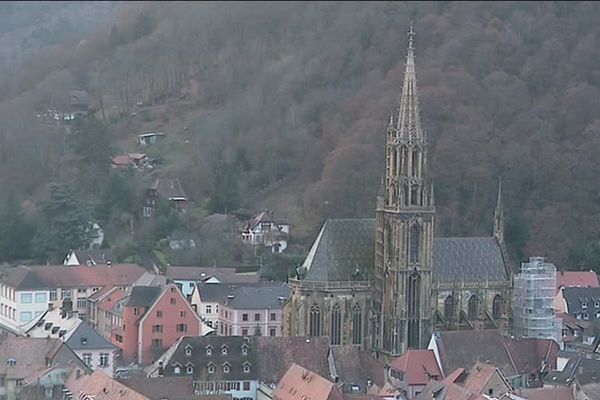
[315, 321]
[497, 307]
[415, 240]
[473, 310]
[356, 324]
[415, 161]
[449, 307]
[336, 325]
[414, 310]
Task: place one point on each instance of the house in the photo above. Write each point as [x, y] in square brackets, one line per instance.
[169, 189]
[188, 277]
[275, 355]
[264, 230]
[47, 384]
[24, 359]
[242, 309]
[153, 319]
[26, 291]
[101, 310]
[98, 385]
[146, 139]
[133, 160]
[571, 365]
[522, 361]
[412, 371]
[568, 279]
[356, 372]
[216, 364]
[482, 381]
[301, 384]
[175, 388]
[95, 351]
[582, 303]
[90, 257]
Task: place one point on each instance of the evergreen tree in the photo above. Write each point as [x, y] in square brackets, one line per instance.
[90, 141]
[65, 224]
[15, 232]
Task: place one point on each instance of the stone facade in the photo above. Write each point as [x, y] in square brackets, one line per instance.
[405, 282]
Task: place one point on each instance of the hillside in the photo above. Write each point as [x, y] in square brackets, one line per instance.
[284, 105]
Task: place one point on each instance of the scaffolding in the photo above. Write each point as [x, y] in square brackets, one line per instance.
[534, 290]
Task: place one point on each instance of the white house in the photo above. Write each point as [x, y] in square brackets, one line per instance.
[264, 230]
[19, 304]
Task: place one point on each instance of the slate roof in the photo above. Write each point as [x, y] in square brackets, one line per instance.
[576, 297]
[274, 355]
[60, 276]
[469, 259]
[577, 364]
[246, 296]
[84, 337]
[200, 360]
[143, 296]
[224, 274]
[342, 246]
[354, 368]
[257, 297]
[172, 388]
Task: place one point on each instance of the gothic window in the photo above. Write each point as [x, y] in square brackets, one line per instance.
[356, 324]
[415, 162]
[388, 242]
[497, 307]
[414, 310]
[415, 238]
[448, 307]
[415, 195]
[473, 309]
[336, 325]
[315, 321]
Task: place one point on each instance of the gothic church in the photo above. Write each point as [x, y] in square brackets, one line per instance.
[385, 284]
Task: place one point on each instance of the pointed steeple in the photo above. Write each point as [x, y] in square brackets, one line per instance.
[499, 215]
[409, 121]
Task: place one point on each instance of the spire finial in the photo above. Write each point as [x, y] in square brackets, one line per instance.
[411, 34]
[499, 215]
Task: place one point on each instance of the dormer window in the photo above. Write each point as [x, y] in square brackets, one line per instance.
[244, 350]
[189, 370]
[224, 350]
[209, 351]
[211, 369]
[597, 304]
[586, 316]
[188, 351]
[246, 367]
[11, 362]
[584, 304]
[226, 368]
[177, 370]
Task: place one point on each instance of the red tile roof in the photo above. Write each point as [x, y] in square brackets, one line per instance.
[419, 366]
[60, 276]
[576, 279]
[101, 386]
[549, 393]
[301, 384]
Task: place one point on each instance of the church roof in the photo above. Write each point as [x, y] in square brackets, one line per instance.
[469, 259]
[345, 244]
[342, 246]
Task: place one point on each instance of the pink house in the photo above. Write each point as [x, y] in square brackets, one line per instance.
[154, 318]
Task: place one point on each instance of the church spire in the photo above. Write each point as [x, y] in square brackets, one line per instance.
[499, 215]
[409, 122]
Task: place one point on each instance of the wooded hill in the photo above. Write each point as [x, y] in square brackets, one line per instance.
[284, 105]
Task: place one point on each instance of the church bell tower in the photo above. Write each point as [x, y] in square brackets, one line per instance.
[402, 303]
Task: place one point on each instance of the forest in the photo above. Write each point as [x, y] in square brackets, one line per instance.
[284, 106]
